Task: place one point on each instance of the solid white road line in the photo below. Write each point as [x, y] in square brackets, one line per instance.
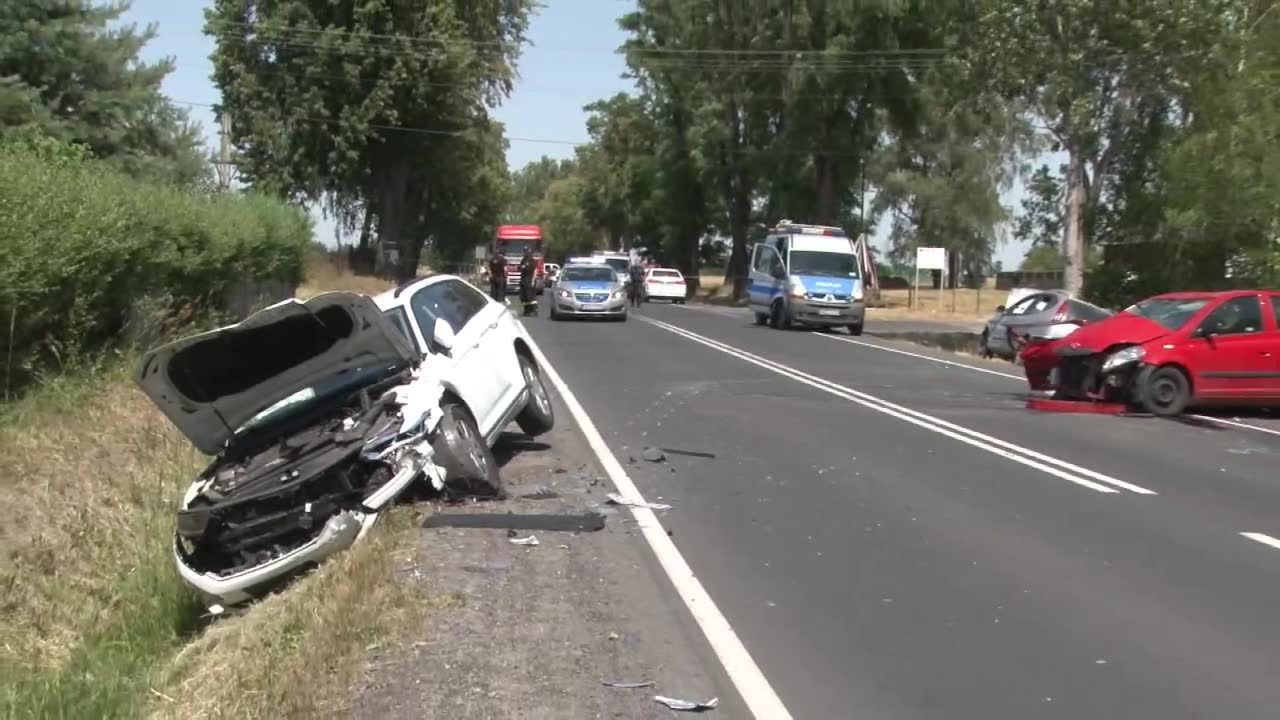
[1222, 421]
[942, 361]
[1264, 539]
[1025, 456]
[1237, 423]
[755, 689]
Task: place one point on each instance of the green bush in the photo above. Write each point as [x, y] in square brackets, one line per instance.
[82, 245]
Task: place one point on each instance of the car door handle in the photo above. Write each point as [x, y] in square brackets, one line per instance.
[494, 325]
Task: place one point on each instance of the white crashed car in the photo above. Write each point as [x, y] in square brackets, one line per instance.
[318, 415]
[484, 360]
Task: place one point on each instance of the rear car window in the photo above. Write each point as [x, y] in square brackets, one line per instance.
[667, 273]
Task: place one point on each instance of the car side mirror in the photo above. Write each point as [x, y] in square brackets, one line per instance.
[442, 335]
[1000, 309]
[780, 274]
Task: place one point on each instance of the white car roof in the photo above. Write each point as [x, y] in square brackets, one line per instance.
[398, 296]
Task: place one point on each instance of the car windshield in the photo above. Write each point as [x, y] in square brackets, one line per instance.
[587, 274]
[336, 385]
[829, 264]
[1172, 313]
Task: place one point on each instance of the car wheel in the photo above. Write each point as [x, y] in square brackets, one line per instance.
[855, 329]
[1165, 391]
[762, 319]
[469, 465]
[538, 417]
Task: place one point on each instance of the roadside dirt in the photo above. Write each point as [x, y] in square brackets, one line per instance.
[531, 632]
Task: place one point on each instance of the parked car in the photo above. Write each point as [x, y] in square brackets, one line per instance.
[317, 420]
[481, 354]
[1170, 352]
[664, 284]
[589, 289]
[1038, 315]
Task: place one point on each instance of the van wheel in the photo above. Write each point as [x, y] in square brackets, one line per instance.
[538, 417]
[469, 465]
[778, 316]
[1165, 391]
[855, 329]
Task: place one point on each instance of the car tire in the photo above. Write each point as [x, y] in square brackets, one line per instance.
[469, 465]
[1165, 391]
[762, 319]
[855, 329]
[538, 416]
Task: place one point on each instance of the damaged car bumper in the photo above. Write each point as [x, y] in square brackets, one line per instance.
[1083, 373]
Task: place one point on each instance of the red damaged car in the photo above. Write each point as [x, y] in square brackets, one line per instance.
[1169, 352]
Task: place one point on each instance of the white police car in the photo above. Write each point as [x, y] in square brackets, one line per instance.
[807, 275]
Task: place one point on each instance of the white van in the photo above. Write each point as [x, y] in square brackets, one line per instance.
[807, 275]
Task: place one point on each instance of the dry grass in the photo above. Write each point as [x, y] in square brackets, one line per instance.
[323, 276]
[297, 653]
[87, 587]
[961, 306]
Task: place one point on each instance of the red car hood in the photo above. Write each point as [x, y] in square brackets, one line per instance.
[1122, 328]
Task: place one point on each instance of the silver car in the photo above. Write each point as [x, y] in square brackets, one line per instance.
[588, 290]
[1043, 314]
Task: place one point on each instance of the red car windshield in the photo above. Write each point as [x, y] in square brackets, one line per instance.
[515, 248]
[1172, 313]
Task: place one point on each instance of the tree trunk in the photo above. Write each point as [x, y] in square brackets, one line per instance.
[1073, 227]
[392, 213]
[827, 179]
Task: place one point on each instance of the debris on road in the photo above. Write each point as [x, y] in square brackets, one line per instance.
[531, 540]
[687, 706]
[627, 685]
[616, 499]
[689, 453]
[587, 522]
[541, 493]
[653, 455]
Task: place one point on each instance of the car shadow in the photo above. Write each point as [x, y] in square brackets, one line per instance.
[511, 444]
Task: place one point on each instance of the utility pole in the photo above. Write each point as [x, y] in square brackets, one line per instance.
[225, 165]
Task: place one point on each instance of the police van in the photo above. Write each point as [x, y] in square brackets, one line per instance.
[807, 275]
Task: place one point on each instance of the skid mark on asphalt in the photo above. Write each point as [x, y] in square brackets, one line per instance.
[1084, 477]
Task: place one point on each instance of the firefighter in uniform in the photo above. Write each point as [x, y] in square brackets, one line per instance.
[498, 276]
[528, 266]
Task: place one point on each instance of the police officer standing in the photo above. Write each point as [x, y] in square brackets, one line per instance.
[636, 290]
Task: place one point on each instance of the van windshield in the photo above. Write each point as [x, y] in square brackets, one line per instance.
[826, 264]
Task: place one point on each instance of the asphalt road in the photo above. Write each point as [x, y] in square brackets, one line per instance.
[893, 535]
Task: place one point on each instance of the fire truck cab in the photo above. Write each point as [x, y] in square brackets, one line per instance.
[513, 241]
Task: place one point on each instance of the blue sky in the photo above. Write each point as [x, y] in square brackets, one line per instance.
[571, 62]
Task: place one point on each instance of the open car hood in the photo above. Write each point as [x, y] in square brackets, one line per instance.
[210, 384]
[1121, 328]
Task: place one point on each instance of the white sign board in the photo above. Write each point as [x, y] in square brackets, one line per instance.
[482, 252]
[931, 258]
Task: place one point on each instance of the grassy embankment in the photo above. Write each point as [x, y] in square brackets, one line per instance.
[97, 623]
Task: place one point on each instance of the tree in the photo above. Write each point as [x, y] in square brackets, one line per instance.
[1040, 222]
[365, 101]
[1089, 70]
[70, 71]
[1042, 259]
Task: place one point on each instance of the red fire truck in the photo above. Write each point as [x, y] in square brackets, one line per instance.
[513, 240]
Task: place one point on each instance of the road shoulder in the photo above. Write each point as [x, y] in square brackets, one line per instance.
[525, 632]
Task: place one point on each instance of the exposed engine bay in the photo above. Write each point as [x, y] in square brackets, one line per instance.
[265, 498]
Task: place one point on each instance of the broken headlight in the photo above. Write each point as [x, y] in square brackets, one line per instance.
[1122, 357]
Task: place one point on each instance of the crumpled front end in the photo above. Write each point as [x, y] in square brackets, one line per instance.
[1081, 373]
[261, 515]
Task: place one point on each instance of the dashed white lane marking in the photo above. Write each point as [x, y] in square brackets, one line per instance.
[1262, 538]
[1025, 456]
[743, 672]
